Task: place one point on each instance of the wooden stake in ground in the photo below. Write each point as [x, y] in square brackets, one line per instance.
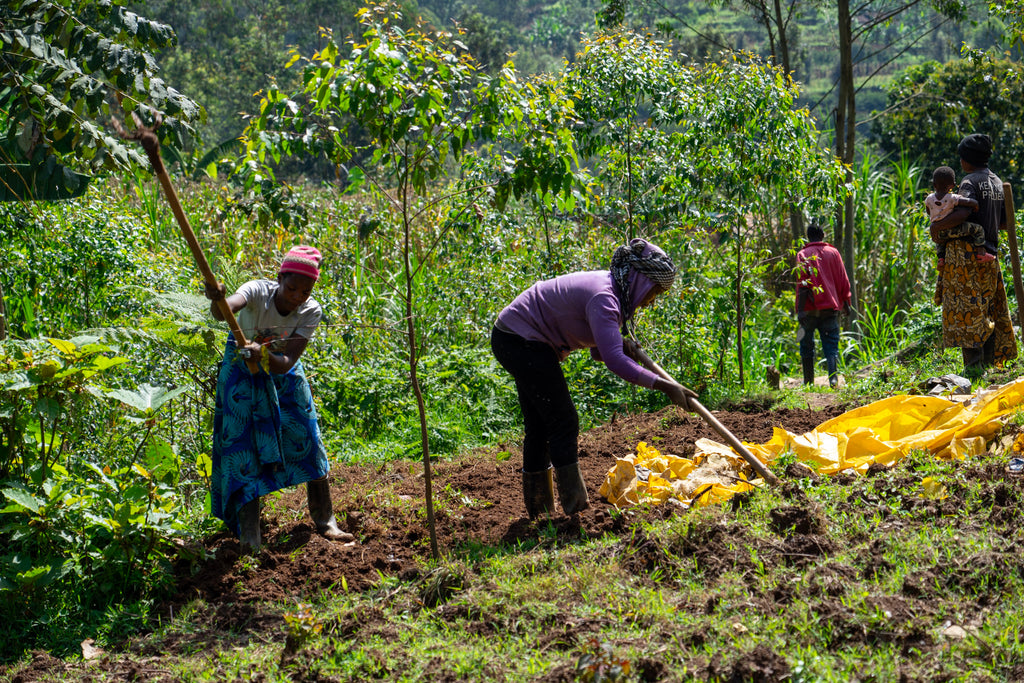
[695, 405]
[1011, 234]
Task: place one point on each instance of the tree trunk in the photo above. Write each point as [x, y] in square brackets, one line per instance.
[739, 303]
[796, 222]
[796, 215]
[846, 135]
[631, 233]
[3, 316]
[783, 39]
[410, 328]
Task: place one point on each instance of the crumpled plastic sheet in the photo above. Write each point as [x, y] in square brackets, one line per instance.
[881, 432]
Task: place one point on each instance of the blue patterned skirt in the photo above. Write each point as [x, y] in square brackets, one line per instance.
[265, 435]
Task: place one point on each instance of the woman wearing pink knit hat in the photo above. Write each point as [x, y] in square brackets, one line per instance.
[265, 431]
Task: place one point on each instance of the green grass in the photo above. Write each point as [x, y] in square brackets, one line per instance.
[694, 596]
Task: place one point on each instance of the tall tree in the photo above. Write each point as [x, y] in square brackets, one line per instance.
[421, 104]
[867, 44]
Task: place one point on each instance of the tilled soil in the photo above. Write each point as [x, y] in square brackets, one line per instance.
[478, 499]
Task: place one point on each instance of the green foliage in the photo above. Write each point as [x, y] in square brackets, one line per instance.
[69, 64]
[301, 626]
[78, 527]
[399, 107]
[880, 332]
[88, 539]
[977, 94]
[43, 392]
[75, 257]
[1013, 12]
[228, 52]
[600, 664]
[403, 98]
[628, 92]
[365, 406]
[49, 181]
[895, 253]
[756, 147]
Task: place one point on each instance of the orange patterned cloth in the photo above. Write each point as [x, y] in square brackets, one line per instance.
[974, 302]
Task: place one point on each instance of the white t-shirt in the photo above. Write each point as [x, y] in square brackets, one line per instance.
[260, 321]
[940, 208]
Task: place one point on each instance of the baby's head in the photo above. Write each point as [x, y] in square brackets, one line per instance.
[943, 180]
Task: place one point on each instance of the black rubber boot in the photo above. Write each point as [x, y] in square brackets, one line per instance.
[974, 363]
[833, 372]
[808, 365]
[572, 492]
[249, 527]
[539, 493]
[318, 493]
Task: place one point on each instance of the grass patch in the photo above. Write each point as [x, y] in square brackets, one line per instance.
[807, 581]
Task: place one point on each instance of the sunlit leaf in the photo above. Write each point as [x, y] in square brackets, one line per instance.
[23, 498]
[147, 397]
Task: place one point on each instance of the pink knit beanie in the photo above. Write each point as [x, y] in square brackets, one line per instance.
[303, 260]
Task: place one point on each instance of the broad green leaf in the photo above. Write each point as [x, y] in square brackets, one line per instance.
[147, 397]
[23, 498]
[205, 465]
[162, 459]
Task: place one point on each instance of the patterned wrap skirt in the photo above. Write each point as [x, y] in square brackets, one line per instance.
[265, 435]
[974, 304]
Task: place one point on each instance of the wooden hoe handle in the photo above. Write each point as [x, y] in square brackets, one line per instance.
[151, 144]
[729, 437]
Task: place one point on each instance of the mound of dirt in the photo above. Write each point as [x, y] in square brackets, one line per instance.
[478, 500]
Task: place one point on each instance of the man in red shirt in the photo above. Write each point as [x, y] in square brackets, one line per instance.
[822, 290]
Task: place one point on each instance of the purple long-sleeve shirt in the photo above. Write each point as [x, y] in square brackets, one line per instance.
[580, 311]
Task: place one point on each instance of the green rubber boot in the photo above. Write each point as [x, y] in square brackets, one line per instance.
[539, 493]
[572, 492]
[318, 493]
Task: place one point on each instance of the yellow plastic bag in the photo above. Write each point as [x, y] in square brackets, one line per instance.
[881, 432]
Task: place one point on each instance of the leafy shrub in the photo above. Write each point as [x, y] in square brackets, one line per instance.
[90, 508]
[63, 268]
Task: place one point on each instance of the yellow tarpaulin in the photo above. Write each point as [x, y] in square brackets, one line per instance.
[880, 432]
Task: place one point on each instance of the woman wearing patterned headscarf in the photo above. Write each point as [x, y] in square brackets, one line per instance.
[265, 431]
[538, 330]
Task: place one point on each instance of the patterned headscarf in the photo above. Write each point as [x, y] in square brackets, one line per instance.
[641, 257]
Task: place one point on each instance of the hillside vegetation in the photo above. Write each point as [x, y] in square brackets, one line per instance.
[228, 52]
[438, 187]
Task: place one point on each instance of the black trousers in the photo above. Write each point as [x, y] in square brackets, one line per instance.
[552, 425]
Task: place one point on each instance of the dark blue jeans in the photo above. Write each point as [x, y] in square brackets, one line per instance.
[827, 325]
[551, 423]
